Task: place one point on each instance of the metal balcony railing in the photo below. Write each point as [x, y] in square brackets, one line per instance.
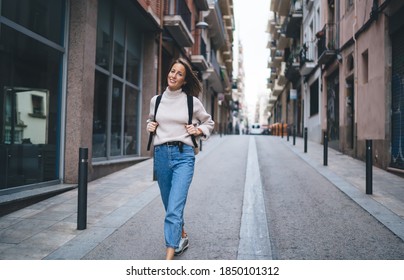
[327, 38]
[214, 62]
[293, 65]
[327, 43]
[179, 7]
[307, 53]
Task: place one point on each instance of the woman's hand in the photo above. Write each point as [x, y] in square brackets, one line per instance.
[152, 126]
[192, 130]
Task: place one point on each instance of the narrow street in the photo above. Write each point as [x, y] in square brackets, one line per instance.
[307, 216]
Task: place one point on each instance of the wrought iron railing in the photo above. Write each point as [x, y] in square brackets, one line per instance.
[179, 7]
[307, 52]
[327, 38]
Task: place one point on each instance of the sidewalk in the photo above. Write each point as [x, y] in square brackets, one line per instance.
[48, 229]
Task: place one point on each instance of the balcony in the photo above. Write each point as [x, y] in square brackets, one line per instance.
[277, 90]
[270, 84]
[214, 74]
[199, 62]
[271, 26]
[202, 5]
[226, 80]
[327, 44]
[274, 5]
[294, 20]
[280, 6]
[272, 99]
[226, 6]
[216, 26]
[284, 7]
[177, 21]
[281, 76]
[273, 73]
[278, 58]
[199, 59]
[283, 42]
[292, 72]
[292, 67]
[306, 57]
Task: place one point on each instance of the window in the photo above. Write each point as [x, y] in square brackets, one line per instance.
[117, 84]
[349, 4]
[314, 96]
[31, 73]
[37, 105]
[43, 17]
[365, 66]
[103, 35]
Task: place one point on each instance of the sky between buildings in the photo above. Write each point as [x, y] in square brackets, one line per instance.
[251, 19]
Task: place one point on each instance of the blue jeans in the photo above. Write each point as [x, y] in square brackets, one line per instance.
[174, 171]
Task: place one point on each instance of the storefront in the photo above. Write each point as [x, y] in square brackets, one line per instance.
[32, 48]
[117, 83]
[397, 102]
[72, 75]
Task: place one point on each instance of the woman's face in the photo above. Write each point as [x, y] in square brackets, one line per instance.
[176, 77]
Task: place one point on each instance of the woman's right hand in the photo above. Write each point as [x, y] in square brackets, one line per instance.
[151, 126]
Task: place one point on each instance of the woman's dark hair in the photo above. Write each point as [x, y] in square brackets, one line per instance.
[192, 84]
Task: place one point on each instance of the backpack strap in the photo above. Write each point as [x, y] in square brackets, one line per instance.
[190, 101]
[154, 119]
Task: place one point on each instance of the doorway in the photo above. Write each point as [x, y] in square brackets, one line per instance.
[350, 112]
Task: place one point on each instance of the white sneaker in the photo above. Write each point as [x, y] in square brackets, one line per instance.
[184, 243]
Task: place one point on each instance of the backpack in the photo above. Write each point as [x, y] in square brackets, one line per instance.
[190, 102]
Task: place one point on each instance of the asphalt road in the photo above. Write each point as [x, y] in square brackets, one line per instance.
[307, 217]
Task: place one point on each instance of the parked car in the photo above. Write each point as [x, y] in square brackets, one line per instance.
[256, 129]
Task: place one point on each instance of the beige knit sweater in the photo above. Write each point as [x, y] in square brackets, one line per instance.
[172, 116]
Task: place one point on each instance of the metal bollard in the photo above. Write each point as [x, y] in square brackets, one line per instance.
[325, 159]
[282, 130]
[82, 189]
[369, 167]
[305, 139]
[294, 135]
[287, 133]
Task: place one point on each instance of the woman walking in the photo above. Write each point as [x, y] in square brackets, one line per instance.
[174, 155]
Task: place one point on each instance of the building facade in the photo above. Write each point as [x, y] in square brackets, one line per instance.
[81, 74]
[336, 71]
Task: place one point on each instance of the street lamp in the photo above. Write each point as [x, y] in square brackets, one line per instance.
[202, 25]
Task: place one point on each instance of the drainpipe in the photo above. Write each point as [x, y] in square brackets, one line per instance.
[160, 55]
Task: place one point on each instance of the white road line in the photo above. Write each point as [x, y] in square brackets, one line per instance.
[254, 235]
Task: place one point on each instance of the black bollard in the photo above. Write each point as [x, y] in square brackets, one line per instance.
[369, 167]
[305, 139]
[82, 189]
[294, 135]
[281, 130]
[325, 160]
[287, 133]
